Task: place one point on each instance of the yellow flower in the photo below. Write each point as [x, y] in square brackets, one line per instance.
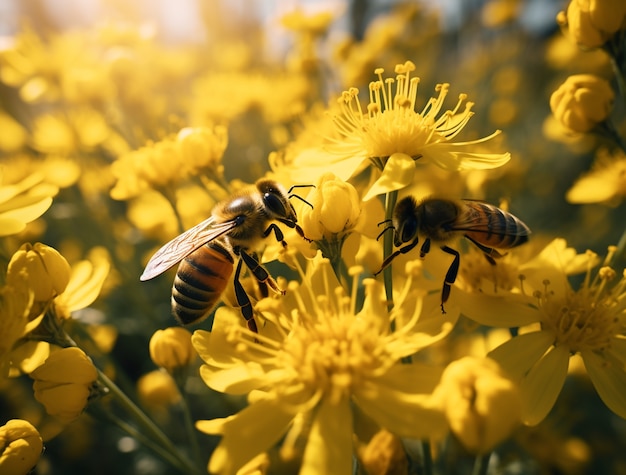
[157, 389]
[487, 291]
[23, 202]
[44, 270]
[15, 308]
[588, 321]
[62, 384]
[605, 183]
[482, 405]
[392, 135]
[172, 349]
[315, 358]
[202, 149]
[85, 283]
[582, 102]
[591, 23]
[13, 136]
[20, 447]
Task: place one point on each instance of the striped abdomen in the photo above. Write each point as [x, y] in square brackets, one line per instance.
[494, 227]
[200, 280]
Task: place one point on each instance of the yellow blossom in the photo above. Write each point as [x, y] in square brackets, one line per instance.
[23, 202]
[20, 447]
[15, 308]
[591, 23]
[62, 384]
[605, 183]
[202, 149]
[316, 356]
[482, 405]
[157, 389]
[392, 135]
[13, 136]
[586, 321]
[44, 270]
[171, 348]
[582, 102]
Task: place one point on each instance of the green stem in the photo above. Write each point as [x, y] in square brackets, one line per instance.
[189, 425]
[481, 464]
[146, 423]
[170, 196]
[427, 458]
[390, 203]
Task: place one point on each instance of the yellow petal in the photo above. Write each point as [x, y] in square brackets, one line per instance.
[518, 355]
[240, 379]
[86, 282]
[329, 447]
[406, 415]
[252, 431]
[397, 174]
[609, 379]
[414, 378]
[506, 311]
[9, 226]
[543, 384]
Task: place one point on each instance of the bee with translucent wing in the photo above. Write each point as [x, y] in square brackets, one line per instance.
[207, 252]
[440, 220]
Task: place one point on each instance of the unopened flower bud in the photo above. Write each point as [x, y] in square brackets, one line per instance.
[591, 23]
[44, 270]
[336, 208]
[482, 406]
[383, 454]
[202, 147]
[171, 348]
[157, 389]
[62, 384]
[582, 101]
[20, 447]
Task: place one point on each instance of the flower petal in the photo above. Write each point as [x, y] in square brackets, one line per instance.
[406, 415]
[397, 174]
[250, 432]
[239, 379]
[329, 446]
[518, 355]
[543, 384]
[506, 311]
[609, 379]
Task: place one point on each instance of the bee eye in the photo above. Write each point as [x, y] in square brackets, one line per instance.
[274, 203]
[408, 230]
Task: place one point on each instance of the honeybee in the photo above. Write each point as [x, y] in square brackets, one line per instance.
[207, 252]
[439, 220]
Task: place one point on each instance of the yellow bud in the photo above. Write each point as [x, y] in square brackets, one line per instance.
[384, 454]
[157, 389]
[42, 268]
[582, 101]
[202, 147]
[171, 348]
[336, 209]
[20, 447]
[591, 23]
[482, 406]
[62, 384]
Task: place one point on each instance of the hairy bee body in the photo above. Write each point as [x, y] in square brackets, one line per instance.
[440, 220]
[201, 279]
[207, 252]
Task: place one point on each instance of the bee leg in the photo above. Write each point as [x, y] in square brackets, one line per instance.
[244, 301]
[277, 232]
[259, 272]
[402, 250]
[425, 249]
[450, 278]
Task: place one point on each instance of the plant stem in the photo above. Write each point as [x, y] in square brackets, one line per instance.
[189, 426]
[427, 458]
[146, 423]
[481, 464]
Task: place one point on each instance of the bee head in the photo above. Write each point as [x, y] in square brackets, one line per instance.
[405, 221]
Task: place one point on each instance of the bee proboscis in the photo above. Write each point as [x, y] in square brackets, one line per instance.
[440, 220]
[206, 253]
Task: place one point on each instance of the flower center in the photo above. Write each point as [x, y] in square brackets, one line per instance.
[391, 124]
[589, 318]
[480, 276]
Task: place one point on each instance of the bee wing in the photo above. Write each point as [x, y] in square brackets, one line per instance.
[181, 246]
[487, 218]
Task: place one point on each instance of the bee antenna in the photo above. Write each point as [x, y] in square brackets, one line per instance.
[384, 221]
[301, 199]
[298, 186]
[387, 228]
